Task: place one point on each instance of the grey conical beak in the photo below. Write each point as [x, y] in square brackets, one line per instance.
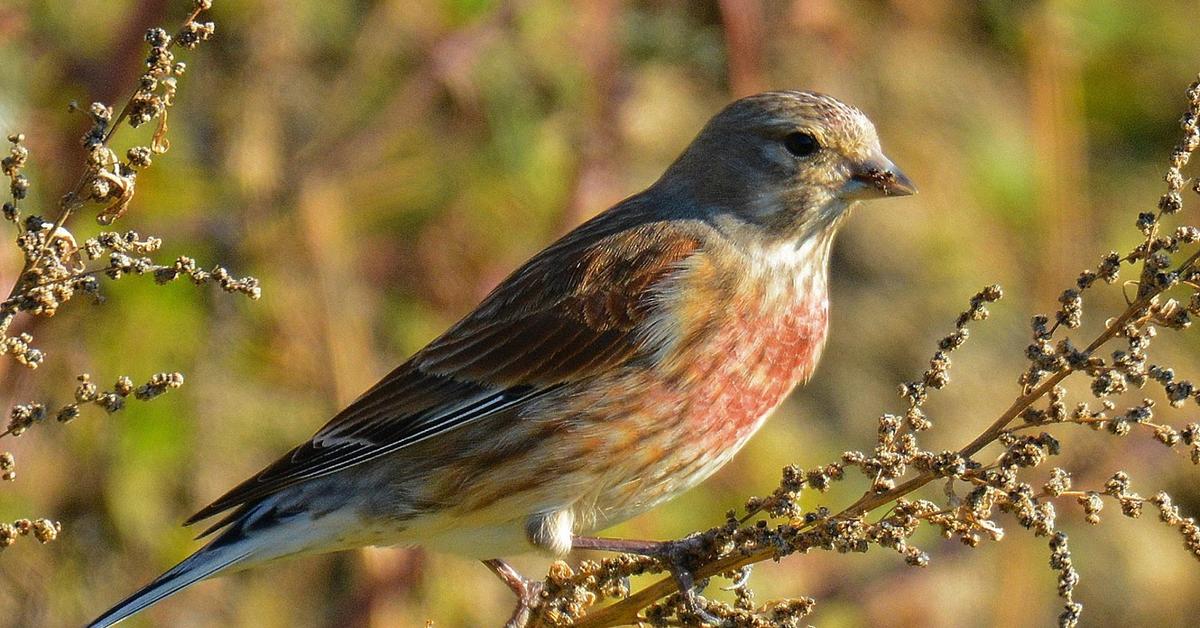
[877, 177]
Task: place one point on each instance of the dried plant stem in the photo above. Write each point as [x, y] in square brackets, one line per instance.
[124, 113]
[57, 267]
[73, 200]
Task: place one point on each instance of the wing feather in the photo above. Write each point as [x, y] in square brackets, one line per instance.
[569, 313]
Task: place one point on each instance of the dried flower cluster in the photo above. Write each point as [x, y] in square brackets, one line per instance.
[976, 493]
[58, 267]
[23, 416]
[43, 530]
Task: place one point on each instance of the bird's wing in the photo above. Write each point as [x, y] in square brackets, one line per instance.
[569, 313]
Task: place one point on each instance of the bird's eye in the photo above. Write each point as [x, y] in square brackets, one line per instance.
[801, 144]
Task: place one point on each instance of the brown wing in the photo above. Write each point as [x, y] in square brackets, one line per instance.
[567, 314]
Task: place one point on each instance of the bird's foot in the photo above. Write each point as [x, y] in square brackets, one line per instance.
[528, 592]
[679, 557]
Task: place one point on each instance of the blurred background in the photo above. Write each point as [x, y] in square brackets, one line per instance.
[380, 165]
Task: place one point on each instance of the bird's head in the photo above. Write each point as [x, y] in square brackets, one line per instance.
[791, 162]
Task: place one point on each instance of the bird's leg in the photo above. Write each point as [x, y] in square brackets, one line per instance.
[528, 592]
[679, 557]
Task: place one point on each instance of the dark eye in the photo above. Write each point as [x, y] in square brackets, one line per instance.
[801, 144]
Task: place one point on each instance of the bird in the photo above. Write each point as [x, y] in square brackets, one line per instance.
[614, 370]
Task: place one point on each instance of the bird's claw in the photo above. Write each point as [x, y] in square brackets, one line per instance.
[676, 555]
[528, 592]
[742, 579]
[678, 558]
[528, 601]
[693, 603]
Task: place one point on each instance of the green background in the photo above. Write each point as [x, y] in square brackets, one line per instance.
[381, 165]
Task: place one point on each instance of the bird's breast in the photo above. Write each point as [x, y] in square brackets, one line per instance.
[745, 338]
[736, 350]
[751, 363]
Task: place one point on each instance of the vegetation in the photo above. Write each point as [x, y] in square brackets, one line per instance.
[380, 168]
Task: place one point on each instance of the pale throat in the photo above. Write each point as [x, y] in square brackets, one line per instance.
[793, 308]
[793, 272]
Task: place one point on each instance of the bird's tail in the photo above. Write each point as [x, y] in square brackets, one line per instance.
[253, 535]
[221, 555]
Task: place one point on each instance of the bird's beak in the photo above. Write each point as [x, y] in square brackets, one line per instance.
[877, 177]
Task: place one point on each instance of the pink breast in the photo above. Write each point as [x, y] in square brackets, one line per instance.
[756, 361]
[679, 429]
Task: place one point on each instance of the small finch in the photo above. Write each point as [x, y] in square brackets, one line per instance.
[615, 370]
